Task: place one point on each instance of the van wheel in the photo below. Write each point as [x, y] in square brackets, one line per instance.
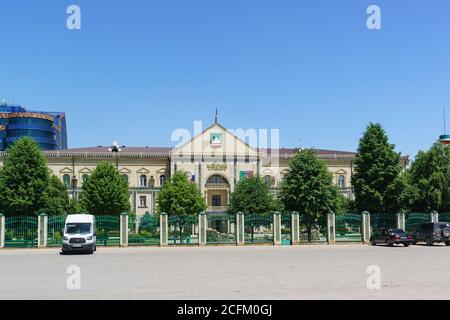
[429, 242]
[373, 242]
[447, 243]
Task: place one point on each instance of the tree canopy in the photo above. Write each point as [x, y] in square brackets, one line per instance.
[24, 179]
[252, 195]
[430, 175]
[56, 197]
[377, 170]
[105, 192]
[180, 197]
[308, 188]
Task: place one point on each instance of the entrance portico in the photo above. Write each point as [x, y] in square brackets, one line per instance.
[217, 190]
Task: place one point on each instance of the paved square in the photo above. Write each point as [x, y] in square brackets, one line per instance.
[218, 273]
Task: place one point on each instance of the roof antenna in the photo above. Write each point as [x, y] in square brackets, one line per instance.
[445, 138]
[216, 117]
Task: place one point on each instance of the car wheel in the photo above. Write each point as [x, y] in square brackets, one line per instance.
[406, 245]
[447, 243]
[373, 242]
[390, 244]
[429, 242]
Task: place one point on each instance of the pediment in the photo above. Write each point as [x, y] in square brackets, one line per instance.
[65, 170]
[124, 171]
[85, 171]
[143, 170]
[217, 140]
[161, 171]
[341, 171]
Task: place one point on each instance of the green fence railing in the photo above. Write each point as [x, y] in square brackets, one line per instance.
[414, 220]
[349, 227]
[318, 230]
[382, 221]
[55, 230]
[108, 230]
[444, 217]
[21, 232]
[221, 229]
[286, 229]
[258, 228]
[183, 230]
[143, 231]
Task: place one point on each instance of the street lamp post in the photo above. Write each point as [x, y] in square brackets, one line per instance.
[74, 181]
[115, 149]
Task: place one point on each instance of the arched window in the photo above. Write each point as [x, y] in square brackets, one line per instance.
[85, 178]
[125, 178]
[143, 181]
[341, 181]
[268, 180]
[162, 180]
[216, 179]
[66, 180]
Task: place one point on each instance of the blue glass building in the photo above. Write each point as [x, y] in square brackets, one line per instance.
[46, 128]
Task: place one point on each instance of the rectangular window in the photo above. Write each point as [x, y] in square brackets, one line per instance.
[142, 202]
[216, 201]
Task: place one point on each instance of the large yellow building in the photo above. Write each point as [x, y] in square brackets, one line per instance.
[215, 160]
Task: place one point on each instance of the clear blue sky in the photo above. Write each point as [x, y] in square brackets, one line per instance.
[139, 69]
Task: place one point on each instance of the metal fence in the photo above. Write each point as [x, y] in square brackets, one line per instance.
[414, 220]
[108, 230]
[286, 229]
[318, 230]
[143, 231]
[258, 228]
[444, 217]
[348, 227]
[382, 220]
[21, 232]
[55, 230]
[221, 229]
[183, 230]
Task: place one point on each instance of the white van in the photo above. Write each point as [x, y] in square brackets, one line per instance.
[80, 233]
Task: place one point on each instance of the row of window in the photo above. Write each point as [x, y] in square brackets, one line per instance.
[216, 179]
[143, 182]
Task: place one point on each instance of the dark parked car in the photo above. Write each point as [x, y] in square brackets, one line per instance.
[391, 237]
[433, 232]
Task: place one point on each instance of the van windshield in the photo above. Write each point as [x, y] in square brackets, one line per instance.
[78, 228]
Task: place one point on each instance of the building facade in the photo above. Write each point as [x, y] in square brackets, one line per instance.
[46, 128]
[215, 160]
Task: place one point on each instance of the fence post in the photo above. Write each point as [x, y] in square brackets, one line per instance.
[202, 226]
[42, 230]
[2, 230]
[365, 216]
[124, 229]
[164, 230]
[295, 228]
[401, 220]
[277, 228]
[240, 229]
[331, 227]
[434, 216]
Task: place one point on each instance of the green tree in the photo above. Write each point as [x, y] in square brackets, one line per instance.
[377, 168]
[182, 199]
[308, 188]
[430, 175]
[24, 179]
[56, 197]
[105, 192]
[252, 195]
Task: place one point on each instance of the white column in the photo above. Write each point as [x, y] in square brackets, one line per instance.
[42, 230]
[2, 231]
[124, 229]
